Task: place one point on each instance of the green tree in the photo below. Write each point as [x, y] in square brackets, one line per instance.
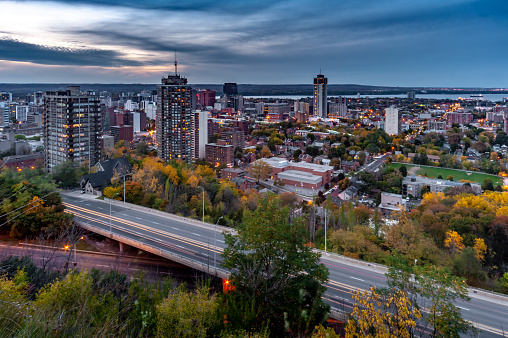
[186, 314]
[467, 265]
[274, 272]
[487, 184]
[65, 175]
[436, 290]
[403, 170]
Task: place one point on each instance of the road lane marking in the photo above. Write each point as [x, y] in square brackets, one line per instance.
[107, 266]
[156, 223]
[463, 308]
[138, 218]
[357, 279]
[219, 240]
[174, 228]
[195, 234]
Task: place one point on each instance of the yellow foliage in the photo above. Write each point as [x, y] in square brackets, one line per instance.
[432, 198]
[371, 313]
[193, 181]
[322, 332]
[35, 205]
[453, 241]
[490, 201]
[475, 202]
[480, 248]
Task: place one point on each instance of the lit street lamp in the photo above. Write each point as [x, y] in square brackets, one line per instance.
[110, 231]
[215, 247]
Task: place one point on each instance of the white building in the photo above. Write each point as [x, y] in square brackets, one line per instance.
[392, 125]
[200, 133]
[22, 113]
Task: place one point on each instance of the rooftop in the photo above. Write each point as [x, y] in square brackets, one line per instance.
[300, 176]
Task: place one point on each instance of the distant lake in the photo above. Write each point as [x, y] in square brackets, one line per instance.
[490, 97]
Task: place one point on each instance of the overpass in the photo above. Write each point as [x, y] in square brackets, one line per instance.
[192, 243]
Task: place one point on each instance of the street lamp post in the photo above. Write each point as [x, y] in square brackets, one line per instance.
[110, 231]
[203, 203]
[215, 247]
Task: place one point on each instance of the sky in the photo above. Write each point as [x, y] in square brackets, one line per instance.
[423, 43]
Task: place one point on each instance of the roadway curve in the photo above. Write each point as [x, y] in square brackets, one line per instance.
[194, 240]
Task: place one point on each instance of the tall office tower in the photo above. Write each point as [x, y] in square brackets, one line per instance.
[200, 133]
[174, 119]
[392, 125]
[71, 128]
[320, 96]
[230, 89]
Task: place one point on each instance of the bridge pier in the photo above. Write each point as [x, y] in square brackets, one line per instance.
[123, 247]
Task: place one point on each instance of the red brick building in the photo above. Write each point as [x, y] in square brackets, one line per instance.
[219, 154]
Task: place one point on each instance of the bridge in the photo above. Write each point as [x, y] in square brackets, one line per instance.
[200, 245]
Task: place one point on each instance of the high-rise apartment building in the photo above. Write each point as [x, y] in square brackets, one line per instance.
[320, 96]
[392, 126]
[174, 120]
[71, 127]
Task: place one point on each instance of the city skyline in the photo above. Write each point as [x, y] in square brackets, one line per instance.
[455, 43]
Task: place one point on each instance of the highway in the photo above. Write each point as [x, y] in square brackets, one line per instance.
[193, 240]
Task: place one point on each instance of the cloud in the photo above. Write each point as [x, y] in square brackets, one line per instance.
[21, 51]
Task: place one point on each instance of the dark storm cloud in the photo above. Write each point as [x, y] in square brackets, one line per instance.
[12, 50]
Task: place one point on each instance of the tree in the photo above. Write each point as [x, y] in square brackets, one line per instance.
[487, 184]
[450, 178]
[186, 314]
[260, 170]
[274, 273]
[466, 264]
[403, 170]
[453, 241]
[480, 248]
[375, 315]
[65, 174]
[265, 152]
[434, 289]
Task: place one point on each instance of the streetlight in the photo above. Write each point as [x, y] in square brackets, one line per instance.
[215, 247]
[203, 202]
[111, 232]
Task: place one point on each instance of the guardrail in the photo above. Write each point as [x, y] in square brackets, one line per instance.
[168, 215]
[160, 252]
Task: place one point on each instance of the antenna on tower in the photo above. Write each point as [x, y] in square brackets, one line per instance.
[176, 64]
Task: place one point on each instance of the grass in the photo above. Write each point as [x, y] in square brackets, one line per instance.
[457, 175]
